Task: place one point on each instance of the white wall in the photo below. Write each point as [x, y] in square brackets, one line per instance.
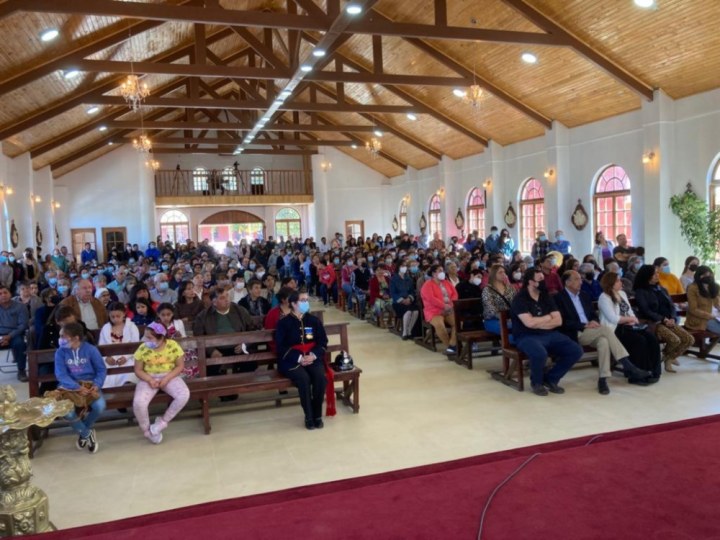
[115, 190]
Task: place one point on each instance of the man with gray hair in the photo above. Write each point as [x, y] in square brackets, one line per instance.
[590, 285]
[162, 292]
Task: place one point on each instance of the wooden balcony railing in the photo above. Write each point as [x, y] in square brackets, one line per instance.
[188, 183]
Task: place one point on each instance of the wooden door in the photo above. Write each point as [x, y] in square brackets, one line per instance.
[113, 238]
[354, 229]
[80, 237]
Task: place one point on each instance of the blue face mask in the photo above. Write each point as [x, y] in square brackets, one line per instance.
[52, 281]
[371, 258]
[63, 343]
[637, 266]
[414, 257]
[481, 265]
[151, 345]
[620, 272]
[3, 259]
[164, 286]
[561, 238]
[165, 266]
[543, 238]
[336, 260]
[304, 306]
[62, 289]
[666, 269]
[85, 275]
[414, 269]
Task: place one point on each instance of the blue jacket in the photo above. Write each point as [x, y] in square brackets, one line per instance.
[401, 287]
[88, 256]
[562, 246]
[84, 364]
[492, 244]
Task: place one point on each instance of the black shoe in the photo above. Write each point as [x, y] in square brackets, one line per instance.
[405, 338]
[309, 424]
[92, 444]
[22, 375]
[81, 443]
[553, 387]
[652, 380]
[539, 390]
[632, 371]
[450, 351]
[319, 424]
[603, 387]
[228, 398]
[639, 382]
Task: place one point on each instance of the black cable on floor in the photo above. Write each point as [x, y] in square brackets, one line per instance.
[498, 488]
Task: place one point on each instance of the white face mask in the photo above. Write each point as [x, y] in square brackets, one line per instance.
[476, 281]
[517, 276]
[441, 276]
[403, 269]
[259, 274]
[239, 285]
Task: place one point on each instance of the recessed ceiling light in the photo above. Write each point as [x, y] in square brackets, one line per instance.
[93, 110]
[353, 8]
[102, 128]
[305, 68]
[645, 3]
[378, 133]
[459, 93]
[110, 143]
[319, 53]
[411, 116]
[49, 34]
[285, 93]
[353, 146]
[529, 58]
[71, 74]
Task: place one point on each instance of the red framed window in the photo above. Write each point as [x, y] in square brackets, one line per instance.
[532, 213]
[613, 203]
[434, 216]
[476, 212]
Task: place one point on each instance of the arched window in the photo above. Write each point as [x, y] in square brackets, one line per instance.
[612, 206]
[174, 226]
[434, 216]
[532, 213]
[200, 179]
[403, 215]
[229, 179]
[288, 224]
[715, 187]
[257, 181]
[476, 212]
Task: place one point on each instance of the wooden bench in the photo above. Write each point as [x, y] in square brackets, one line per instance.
[513, 370]
[469, 331]
[204, 388]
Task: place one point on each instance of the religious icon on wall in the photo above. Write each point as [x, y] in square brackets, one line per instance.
[14, 236]
[395, 223]
[510, 216]
[579, 217]
[38, 235]
[423, 222]
[459, 219]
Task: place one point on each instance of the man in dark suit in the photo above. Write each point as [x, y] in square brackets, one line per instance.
[580, 323]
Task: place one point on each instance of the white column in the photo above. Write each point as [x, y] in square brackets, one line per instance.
[449, 202]
[320, 190]
[497, 195]
[559, 204]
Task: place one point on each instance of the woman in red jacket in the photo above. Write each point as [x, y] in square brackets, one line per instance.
[328, 284]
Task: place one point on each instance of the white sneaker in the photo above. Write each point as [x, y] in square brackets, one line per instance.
[155, 435]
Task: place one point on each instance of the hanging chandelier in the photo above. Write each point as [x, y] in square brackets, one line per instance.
[473, 95]
[153, 164]
[373, 146]
[142, 144]
[134, 91]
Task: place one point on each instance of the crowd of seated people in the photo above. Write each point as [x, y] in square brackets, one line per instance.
[191, 287]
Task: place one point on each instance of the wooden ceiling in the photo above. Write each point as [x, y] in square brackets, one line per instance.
[215, 67]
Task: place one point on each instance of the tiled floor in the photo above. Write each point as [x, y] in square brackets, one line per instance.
[417, 408]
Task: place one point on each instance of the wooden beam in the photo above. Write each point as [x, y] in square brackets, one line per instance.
[218, 150]
[259, 47]
[168, 12]
[440, 12]
[615, 70]
[377, 54]
[310, 8]
[417, 104]
[183, 70]
[225, 126]
[276, 141]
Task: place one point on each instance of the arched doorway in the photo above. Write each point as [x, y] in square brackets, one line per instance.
[231, 225]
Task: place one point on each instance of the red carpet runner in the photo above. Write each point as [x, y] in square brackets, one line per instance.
[658, 482]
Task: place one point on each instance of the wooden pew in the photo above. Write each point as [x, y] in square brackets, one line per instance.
[469, 331]
[204, 388]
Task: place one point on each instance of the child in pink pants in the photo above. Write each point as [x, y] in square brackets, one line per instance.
[158, 362]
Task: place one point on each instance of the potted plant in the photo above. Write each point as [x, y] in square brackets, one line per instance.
[699, 225]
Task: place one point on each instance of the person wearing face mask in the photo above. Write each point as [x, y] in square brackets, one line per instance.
[162, 293]
[541, 247]
[535, 324]
[548, 266]
[380, 301]
[507, 245]
[360, 281]
[666, 278]
[159, 361]
[492, 242]
[634, 263]
[152, 253]
[77, 361]
[603, 248]
[346, 273]
[402, 292]
[59, 260]
[7, 274]
[88, 255]
[703, 295]
[590, 285]
[561, 244]
[301, 343]
[438, 296]
[328, 283]
[655, 306]
[688, 275]
[515, 275]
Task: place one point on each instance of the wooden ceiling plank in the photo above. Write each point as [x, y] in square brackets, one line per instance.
[178, 125]
[259, 47]
[615, 70]
[419, 105]
[183, 70]
[214, 140]
[166, 12]
[391, 129]
[260, 151]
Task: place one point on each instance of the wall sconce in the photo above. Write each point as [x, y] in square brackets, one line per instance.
[35, 198]
[648, 157]
[549, 173]
[487, 183]
[54, 204]
[440, 192]
[6, 189]
[325, 166]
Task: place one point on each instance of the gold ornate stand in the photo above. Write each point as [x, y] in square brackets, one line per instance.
[23, 507]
